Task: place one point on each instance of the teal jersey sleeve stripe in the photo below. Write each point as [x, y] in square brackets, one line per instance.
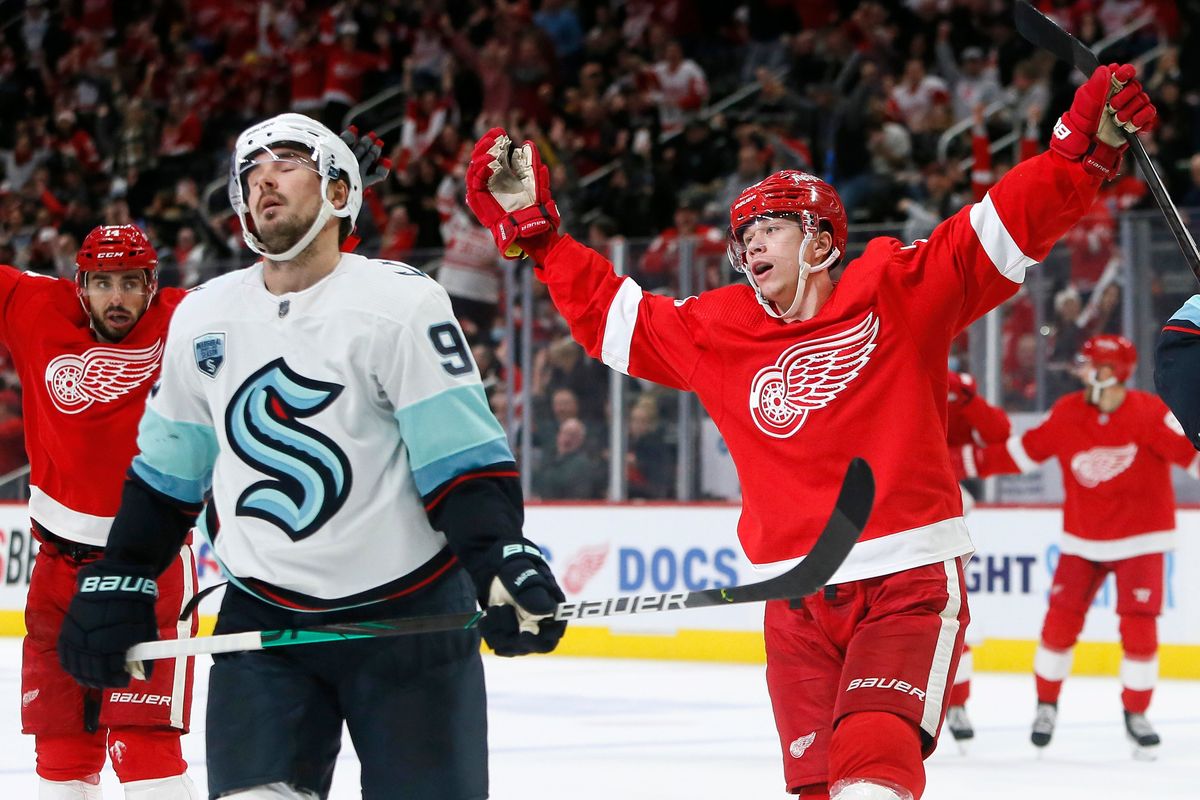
[431, 476]
[185, 491]
[175, 458]
[448, 424]
[1190, 311]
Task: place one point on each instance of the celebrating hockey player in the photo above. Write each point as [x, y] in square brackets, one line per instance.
[87, 353]
[1113, 444]
[323, 415]
[970, 420]
[801, 374]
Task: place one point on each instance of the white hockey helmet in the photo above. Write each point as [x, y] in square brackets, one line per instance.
[331, 158]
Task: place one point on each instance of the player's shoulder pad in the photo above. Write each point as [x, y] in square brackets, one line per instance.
[392, 287]
[209, 300]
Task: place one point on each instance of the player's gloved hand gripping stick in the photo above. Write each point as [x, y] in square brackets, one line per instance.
[845, 524]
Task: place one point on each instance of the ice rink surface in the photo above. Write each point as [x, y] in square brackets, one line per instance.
[599, 729]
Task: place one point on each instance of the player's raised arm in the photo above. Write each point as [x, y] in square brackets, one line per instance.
[633, 331]
[988, 246]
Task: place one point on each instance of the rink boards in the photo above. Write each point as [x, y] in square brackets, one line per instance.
[600, 551]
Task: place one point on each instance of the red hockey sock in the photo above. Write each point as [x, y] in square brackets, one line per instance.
[77, 757]
[1048, 691]
[880, 746]
[959, 693]
[816, 791]
[140, 754]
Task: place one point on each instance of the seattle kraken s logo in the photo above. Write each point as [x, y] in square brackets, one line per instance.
[310, 475]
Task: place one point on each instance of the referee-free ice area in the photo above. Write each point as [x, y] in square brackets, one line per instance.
[603, 729]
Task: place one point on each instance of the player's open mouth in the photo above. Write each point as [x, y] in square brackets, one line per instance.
[118, 317]
[760, 269]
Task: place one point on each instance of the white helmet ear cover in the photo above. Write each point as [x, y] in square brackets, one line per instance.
[331, 156]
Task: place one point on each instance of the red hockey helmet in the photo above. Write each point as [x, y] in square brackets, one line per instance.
[115, 248]
[1115, 351]
[789, 193]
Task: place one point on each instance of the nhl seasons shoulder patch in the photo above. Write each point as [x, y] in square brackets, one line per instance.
[209, 350]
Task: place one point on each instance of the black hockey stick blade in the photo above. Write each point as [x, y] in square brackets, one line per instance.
[845, 525]
[1041, 31]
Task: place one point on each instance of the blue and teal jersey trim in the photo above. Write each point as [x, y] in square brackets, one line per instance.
[175, 458]
[451, 433]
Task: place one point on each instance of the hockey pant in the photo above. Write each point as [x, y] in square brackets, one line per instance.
[138, 726]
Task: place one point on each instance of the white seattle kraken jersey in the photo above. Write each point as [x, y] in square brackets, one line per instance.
[318, 419]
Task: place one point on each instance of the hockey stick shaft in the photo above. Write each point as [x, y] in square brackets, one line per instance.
[1043, 32]
[842, 530]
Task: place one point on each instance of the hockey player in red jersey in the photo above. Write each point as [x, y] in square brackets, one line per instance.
[801, 374]
[970, 420]
[87, 353]
[1114, 444]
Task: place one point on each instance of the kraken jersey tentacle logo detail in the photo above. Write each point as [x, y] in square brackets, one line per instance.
[1094, 467]
[808, 376]
[99, 375]
[310, 475]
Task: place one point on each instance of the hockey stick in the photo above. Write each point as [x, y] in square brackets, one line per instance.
[1043, 32]
[845, 524]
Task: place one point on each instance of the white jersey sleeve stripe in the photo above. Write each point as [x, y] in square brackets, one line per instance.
[997, 242]
[618, 328]
[175, 458]
[1016, 449]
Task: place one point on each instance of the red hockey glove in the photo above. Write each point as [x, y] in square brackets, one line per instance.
[508, 189]
[1091, 130]
[962, 388]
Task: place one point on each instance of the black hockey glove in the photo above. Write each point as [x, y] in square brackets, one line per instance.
[367, 149]
[521, 598]
[113, 609]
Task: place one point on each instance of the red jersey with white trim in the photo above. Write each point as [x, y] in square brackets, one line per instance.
[865, 377]
[1116, 471]
[82, 399]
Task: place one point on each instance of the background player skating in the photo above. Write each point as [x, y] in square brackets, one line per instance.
[800, 375]
[1116, 446]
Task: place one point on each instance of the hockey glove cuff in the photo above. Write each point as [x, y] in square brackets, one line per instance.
[113, 609]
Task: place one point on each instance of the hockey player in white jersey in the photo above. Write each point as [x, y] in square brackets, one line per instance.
[323, 416]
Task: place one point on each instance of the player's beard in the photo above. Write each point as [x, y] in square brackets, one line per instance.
[116, 329]
[285, 232]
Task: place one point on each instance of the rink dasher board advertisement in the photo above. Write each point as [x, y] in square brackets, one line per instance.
[599, 551]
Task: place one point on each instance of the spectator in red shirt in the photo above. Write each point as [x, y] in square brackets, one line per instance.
[345, 68]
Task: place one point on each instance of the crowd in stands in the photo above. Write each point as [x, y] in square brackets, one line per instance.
[651, 116]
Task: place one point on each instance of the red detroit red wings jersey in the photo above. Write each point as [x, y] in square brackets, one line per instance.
[1116, 472]
[865, 377]
[82, 399]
